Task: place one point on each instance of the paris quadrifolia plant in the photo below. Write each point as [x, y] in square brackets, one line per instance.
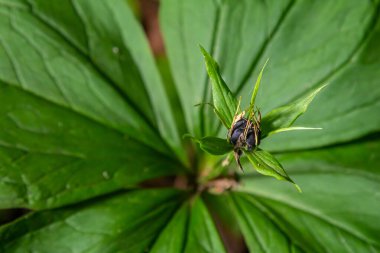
[246, 127]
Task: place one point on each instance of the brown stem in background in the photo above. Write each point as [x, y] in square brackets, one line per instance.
[149, 19]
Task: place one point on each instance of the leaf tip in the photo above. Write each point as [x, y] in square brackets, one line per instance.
[324, 84]
[321, 87]
[266, 62]
[203, 50]
[297, 187]
[257, 85]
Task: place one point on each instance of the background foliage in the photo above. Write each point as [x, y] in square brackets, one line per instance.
[85, 118]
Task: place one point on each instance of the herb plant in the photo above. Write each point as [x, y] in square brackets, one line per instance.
[91, 127]
[227, 108]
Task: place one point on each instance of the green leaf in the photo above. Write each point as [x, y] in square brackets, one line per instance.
[267, 164]
[187, 66]
[190, 230]
[359, 158]
[224, 102]
[128, 221]
[173, 238]
[345, 55]
[260, 234]
[51, 155]
[78, 109]
[284, 117]
[214, 145]
[340, 201]
[88, 93]
[202, 235]
[240, 212]
[164, 68]
[185, 26]
[81, 59]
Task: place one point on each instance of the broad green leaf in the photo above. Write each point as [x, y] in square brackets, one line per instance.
[173, 237]
[267, 164]
[359, 157]
[285, 116]
[190, 230]
[239, 212]
[185, 26]
[338, 211]
[73, 54]
[224, 101]
[351, 99]
[127, 222]
[224, 209]
[260, 234]
[178, 20]
[51, 155]
[164, 68]
[202, 235]
[334, 42]
[214, 145]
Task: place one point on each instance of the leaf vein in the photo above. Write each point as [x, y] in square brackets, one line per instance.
[322, 218]
[265, 45]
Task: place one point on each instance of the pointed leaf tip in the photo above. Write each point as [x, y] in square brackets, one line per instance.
[203, 50]
[284, 117]
[287, 129]
[265, 163]
[297, 187]
[257, 84]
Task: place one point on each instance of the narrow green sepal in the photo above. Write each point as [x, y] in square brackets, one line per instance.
[223, 99]
[265, 163]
